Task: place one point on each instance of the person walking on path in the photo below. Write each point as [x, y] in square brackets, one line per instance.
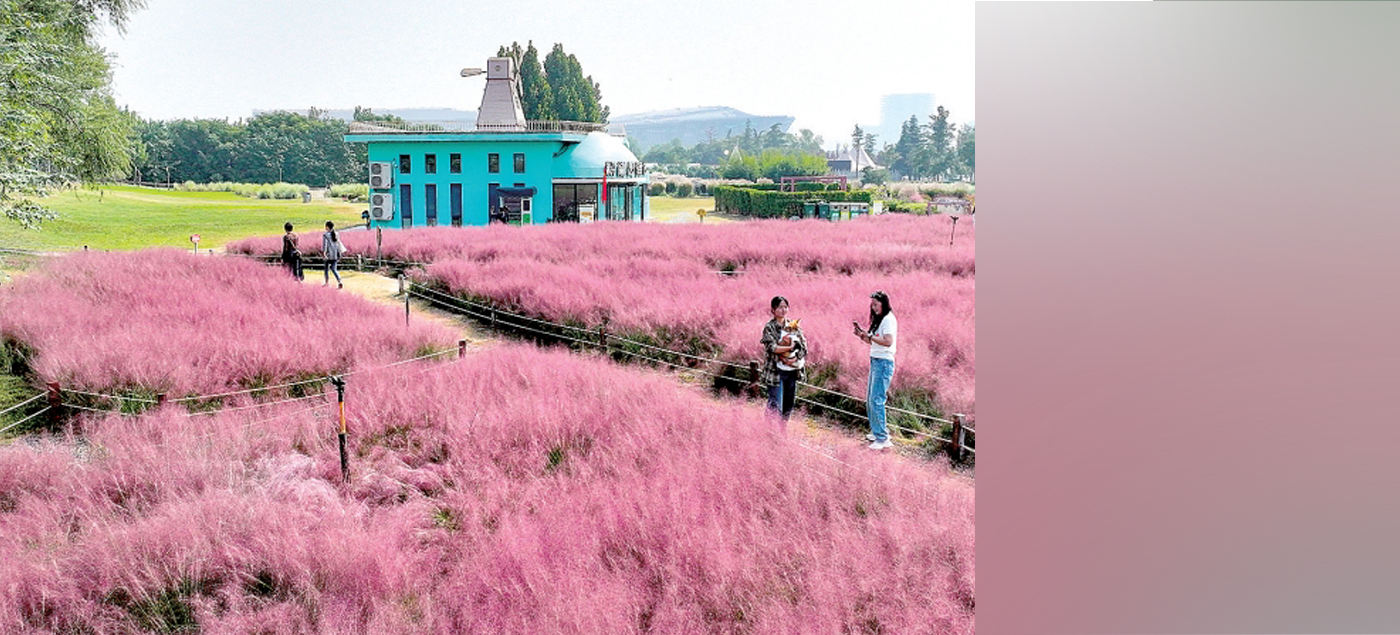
[881, 337]
[331, 247]
[783, 363]
[291, 253]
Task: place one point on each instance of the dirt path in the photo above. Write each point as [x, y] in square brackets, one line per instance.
[386, 291]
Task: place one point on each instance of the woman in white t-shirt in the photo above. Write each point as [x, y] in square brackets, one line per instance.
[881, 337]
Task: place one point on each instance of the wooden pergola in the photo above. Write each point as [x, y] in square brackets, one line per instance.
[789, 183]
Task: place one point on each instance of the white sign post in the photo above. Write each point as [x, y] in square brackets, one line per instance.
[194, 238]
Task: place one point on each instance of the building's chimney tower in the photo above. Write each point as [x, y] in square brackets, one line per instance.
[500, 103]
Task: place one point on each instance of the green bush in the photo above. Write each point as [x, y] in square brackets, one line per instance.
[960, 190]
[670, 187]
[764, 203]
[250, 190]
[684, 189]
[350, 191]
[656, 188]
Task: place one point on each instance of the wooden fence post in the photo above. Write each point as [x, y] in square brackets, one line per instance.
[55, 403]
[461, 349]
[752, 387]
[958, 436]
[603, 333]
[344, 456]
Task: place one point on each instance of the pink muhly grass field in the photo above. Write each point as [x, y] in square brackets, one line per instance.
[167, 321]
[658, 280]
[887, 243]
[518, 490]
[935, 350]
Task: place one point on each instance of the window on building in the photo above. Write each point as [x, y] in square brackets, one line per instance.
[430, 163]
[493, 163]
[455, 163]
[519, 162]
[405, 164]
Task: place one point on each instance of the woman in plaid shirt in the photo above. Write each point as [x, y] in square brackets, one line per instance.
[781, 384]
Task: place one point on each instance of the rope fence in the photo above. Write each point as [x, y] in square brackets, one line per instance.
[497, 316]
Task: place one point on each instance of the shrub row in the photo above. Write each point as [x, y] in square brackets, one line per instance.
[765, 203]
[350, 191]
[250, 190]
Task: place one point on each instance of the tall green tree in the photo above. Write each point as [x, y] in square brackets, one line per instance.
[906, 149]
[58, 121]
[575, 97]
[938, 155]
[967, 149]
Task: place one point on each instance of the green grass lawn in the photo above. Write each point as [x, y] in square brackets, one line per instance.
[667, 209]
[128, 217]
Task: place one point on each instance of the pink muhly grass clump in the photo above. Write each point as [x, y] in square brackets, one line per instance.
[517, 490]
[166, 321]
[887, 243]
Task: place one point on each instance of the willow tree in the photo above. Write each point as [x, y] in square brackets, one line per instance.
[58, 122]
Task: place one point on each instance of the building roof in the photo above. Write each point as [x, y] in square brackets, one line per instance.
[857, 156]
[589, 156]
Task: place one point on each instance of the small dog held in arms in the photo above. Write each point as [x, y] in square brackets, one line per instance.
[791, 334]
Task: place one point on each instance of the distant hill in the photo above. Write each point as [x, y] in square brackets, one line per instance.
[693, 125]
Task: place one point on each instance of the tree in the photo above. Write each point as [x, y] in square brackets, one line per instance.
[857, 137]
[869, 143]
[58, 121]
[575, 97]
[906, 150]
[938, 145]
[967, 150]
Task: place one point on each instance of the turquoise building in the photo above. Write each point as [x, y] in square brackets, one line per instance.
[503, 169]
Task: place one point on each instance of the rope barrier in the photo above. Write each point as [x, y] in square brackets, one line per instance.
[97, 410]
[31, 416]
[22, 403]
[113, 397]
[255, 405]
[446, 297]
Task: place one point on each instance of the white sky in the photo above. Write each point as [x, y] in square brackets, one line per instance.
[825, 63]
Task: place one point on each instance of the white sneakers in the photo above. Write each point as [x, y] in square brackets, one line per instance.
[869, 437]
[880, 445]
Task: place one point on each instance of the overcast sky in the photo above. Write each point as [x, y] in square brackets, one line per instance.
[825, 63]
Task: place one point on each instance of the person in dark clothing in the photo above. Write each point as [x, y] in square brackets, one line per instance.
[783, 362]
[291, 253]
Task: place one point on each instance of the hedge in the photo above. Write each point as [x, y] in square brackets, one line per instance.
[762, 203]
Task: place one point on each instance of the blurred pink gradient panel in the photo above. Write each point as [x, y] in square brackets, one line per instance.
[1188, 310]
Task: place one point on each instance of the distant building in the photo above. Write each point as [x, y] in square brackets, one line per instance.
[848, 162]
[694, 125]
[896, 109]
[504, 168]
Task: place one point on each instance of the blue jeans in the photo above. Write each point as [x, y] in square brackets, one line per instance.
[332, 267]
[881, 371]
[783, 393]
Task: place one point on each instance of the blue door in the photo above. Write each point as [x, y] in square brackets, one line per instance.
[430, 205]
[493, 202]
[455, 193]
[406, 204]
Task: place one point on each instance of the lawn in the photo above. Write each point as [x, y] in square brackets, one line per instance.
[128, 217]
[668, 209]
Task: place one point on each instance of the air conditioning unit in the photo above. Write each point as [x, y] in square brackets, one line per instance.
[381, 206]
[381, 175]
